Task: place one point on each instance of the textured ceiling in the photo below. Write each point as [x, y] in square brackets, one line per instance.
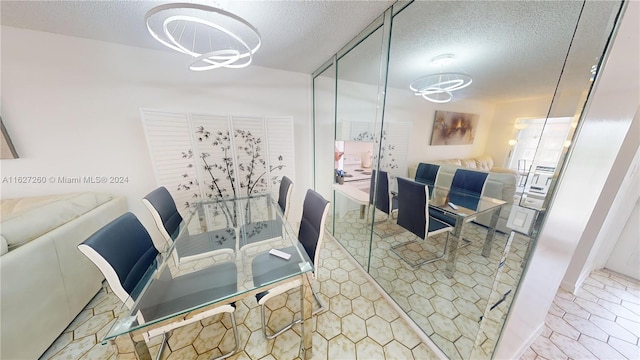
[512, 49]
[296, 35]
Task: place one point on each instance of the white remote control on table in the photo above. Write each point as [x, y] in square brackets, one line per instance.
[280, 254]
[453, 206]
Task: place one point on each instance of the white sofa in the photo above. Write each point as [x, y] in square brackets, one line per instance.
[46, 281]
[483, 163]
[501, 184]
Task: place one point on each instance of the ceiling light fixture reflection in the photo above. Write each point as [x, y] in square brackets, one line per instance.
[213, 37]
[438, 87]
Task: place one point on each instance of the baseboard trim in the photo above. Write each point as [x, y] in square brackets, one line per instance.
[425, 339]
[569, 286]
[527, 343]
[573, 287]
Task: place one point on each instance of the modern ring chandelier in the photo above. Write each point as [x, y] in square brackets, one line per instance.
[214, 38]
[438, 87]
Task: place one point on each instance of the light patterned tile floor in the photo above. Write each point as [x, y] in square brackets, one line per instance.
[601, 321]
[447, 310]
[358, 323]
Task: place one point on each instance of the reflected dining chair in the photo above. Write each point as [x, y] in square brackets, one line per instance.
[169, 221]
[310, 234]
[386, 202]
[427, 174]
[467, 187]
[256, 232]
[123, 251]
[413, 215]
[384, 199]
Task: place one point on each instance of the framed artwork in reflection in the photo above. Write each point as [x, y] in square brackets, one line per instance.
[454, 128]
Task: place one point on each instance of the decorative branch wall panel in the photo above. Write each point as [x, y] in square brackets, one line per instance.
[251, 154]
[281, 150]
[213, 156]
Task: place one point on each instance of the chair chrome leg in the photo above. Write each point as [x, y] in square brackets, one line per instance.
[302, 351]
[421, 262]
[264, 325]
[162, 344]
[320, 309]
[235, 335]
[465, 243]
[320, 304]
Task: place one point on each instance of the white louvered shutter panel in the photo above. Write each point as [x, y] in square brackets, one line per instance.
[281, 150]
[396, 147]
[169, 144]
[362, 131]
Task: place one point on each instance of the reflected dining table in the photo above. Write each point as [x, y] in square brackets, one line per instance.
[175, 289]
[466, 207]
[459, 208]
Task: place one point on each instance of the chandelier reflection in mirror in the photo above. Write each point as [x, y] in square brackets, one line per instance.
[438, 87]
[213, 37]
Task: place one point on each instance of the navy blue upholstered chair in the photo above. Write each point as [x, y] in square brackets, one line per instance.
[427, 174]
[256, 232]
[467, 187]
[169, 222]
[466, 190]
[384, 200]
[310, 234]
[124, 253]
[413, 215]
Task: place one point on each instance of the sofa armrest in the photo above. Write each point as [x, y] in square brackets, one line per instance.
[82, 279]
[34, 302]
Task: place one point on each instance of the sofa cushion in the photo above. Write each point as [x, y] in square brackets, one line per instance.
[484, 162]
[28, 218]
[468, 163]
[451, 161]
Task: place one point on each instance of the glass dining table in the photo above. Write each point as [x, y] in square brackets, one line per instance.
[188, 278]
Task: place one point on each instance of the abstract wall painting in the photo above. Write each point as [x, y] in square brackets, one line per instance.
[453, 128]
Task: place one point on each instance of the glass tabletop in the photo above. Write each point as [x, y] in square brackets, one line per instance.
[465, 204]
[220, 254]
[460, 203]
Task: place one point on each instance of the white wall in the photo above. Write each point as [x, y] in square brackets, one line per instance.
[607, 119]
[506, 114]
[72, 105]
[357, 102]
[625, 257]
[614, 206]
[403, 105]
